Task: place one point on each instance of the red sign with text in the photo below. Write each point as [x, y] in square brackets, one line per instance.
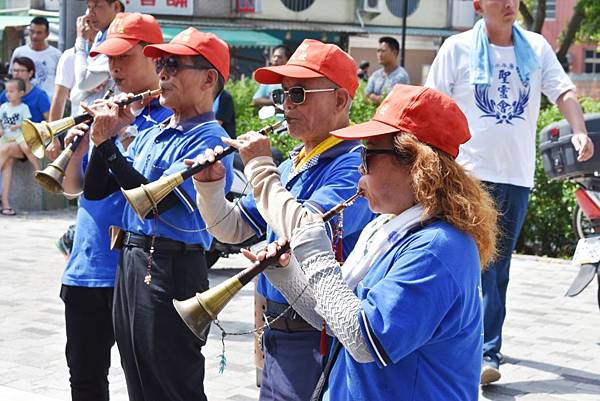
[246, 6]
[164, 7]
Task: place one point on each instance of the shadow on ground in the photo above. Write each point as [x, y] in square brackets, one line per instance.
[567, 382]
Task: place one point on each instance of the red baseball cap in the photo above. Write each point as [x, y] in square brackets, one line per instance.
[126, 31]
[192, 42]
[314, 59]
[433, 117]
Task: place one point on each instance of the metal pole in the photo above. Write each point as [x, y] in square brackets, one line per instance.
[402, 49]
[69, 11]
[62, 25]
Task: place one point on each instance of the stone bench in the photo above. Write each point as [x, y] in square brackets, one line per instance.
[27, 195]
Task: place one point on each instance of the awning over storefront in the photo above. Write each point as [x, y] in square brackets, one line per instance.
[233, 37]
[18, 20]
[433, 32]
[13, 20]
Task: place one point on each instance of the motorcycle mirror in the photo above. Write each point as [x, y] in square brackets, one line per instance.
[268, 112]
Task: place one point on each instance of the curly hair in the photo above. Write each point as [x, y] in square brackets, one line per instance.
[447, 192]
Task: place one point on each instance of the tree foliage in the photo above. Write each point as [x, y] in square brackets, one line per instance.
[584, 24]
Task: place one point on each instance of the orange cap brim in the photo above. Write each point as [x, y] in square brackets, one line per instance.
[364, 130]
[274, 75]
[155, 51]
[114, 47]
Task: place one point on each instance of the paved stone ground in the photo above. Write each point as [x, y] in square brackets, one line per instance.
[552, 343]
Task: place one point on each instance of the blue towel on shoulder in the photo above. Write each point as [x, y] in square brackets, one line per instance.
[481, 61]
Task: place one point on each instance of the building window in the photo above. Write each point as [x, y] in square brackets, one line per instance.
[550, 9]
[591, 62]
[396, 7]
[297, 5]
[246, 6]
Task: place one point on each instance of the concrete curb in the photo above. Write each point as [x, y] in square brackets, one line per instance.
[542, 259]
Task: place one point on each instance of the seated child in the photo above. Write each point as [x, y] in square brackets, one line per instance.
[12, 143]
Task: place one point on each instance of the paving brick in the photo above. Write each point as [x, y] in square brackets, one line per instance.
[551, 342]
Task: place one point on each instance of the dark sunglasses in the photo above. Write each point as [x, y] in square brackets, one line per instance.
[365, 153]
[172, 65]
[297, 94]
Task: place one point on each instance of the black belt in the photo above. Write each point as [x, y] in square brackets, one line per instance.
[289, 321]
[160, 243]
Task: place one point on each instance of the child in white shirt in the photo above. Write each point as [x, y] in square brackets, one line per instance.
[12, 143]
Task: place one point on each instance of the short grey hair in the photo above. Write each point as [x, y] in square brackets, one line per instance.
[201, 62]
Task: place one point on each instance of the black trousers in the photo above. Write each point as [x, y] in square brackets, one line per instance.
[90, 337]
[161, 357]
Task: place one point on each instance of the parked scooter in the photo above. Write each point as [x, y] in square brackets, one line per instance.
[239, 188]
[560, 162]
[586, 215]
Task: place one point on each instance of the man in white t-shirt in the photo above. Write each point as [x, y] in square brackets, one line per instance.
[43, 55]
[64, 82]
[66, 89]
[497, 72]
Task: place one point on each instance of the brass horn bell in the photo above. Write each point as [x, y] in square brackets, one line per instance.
[147, 196]
[51, 178]
[199, 311]
[39, 135]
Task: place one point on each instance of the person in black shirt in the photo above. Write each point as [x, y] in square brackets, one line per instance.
[225, 113]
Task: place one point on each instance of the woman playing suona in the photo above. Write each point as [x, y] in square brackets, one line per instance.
[406, 304]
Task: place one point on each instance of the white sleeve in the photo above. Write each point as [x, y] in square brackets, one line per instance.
[223, 218]
[87, 78]
[555, 80]
[65, 70]
[293, 284]
[442, 73]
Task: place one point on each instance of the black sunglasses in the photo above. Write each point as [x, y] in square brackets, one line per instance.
[297, 94]
[172, 65]
[365, 153]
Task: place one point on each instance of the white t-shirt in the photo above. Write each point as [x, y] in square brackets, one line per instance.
[65, 71]
[13, 115]
[65, 76]
[45, 65]
[502, 117]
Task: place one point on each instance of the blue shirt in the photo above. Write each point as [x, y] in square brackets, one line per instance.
[381, 83]
[37, 100]
[92, 263]
[325, 181]
[421, 318]
[160, 151]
